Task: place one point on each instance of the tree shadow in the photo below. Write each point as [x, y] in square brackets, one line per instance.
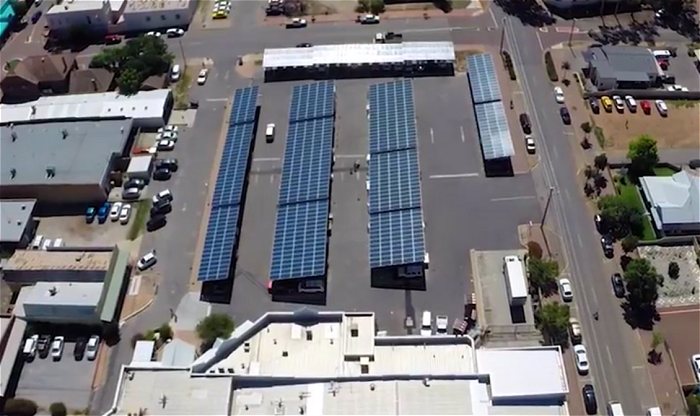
[681, 18]
[444, 5]
[637, 318]
[529, 12]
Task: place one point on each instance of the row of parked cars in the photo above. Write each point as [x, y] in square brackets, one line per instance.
[43, 345]
[117, 211]
[619, 103]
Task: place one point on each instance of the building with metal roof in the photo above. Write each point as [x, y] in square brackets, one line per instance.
[11, 340]
[612, 67]
[145, 108]
[61, 162]
[309, 362]
[16, 222]
[359, 60]
[674, 202]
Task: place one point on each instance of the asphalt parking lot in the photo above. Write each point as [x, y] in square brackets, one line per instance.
[76, 232]
[46, 381]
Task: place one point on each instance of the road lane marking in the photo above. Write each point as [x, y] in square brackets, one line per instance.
[226, 75]
[461, 128]
[578, 239]
[454, 175]
[432, 137]
[493, 17]
[266, 159]
[272, 178]
[607, 349]
[216, 100]
[569, 133]
[539, 40]
[513, 198]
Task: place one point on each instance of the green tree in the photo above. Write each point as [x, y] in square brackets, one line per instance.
[643, 284]
[586, 127]
[643, 155]
[621, 215]
[216, 325]
[166, 332]
[553, 321]
[600, 181]
[601, 161]
[534, 250]
[129, 82]
[58, 409]
[20, 407]
[674, 270]
[693, 401]
[629, 243]
[542, 273]
[589, 171]
[656, 339]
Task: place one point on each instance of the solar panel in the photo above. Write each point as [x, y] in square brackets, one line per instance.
[311, 101]
[494, 133]
[299, 249]
[308, 157]
[218, 244]
[244, 105]
[233, 165]
[396, 238]
[392, 121]
[483, 79]
[394, 181]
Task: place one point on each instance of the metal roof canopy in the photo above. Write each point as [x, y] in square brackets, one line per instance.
[394, 181]
[396, 238]
[483, 79]
[359, 54]
[392, 119]
[494, 134]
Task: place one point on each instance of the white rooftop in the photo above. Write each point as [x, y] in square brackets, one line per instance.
[76, 6]
[143, 6]
[358, 53]
[142, 105]
[517, 373]
[64, 293]
[675, 199]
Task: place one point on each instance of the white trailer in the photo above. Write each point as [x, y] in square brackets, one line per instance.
[515, 280]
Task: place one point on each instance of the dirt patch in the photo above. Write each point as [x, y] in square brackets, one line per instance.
[75, 232]
[461, 56]
[251, 63]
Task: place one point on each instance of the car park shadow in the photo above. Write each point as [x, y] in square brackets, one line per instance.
[530, 12]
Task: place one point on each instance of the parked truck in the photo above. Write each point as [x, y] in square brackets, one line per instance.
[516, 283]
[388, 37]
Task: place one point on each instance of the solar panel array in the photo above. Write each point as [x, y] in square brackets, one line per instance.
[222, 228]
[392, 122]
[494, 133]
[300, 245]
[396, 217]
[483, 79]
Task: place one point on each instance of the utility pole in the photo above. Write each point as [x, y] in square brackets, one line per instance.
[571, 32]
[503, 33]
[182, 51]
[602, 7]
[546, 206]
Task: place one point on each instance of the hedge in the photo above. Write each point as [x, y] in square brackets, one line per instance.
[551, 69]
[508, 62]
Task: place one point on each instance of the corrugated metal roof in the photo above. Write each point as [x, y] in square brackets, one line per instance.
[114, 283]
[674, 199]
[358, 54]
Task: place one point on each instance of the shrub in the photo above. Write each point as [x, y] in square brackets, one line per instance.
[20, 407]
[673, 270]
[590, 171]
[370, 6]
[534, 250]
[58, 409]
[216, 325]
[629, 243]
[166, 332]
[551, 69]
[508, 63]
[601, 161]
[586, 127]
[565, 65]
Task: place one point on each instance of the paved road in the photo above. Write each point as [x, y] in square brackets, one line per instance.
[617, 372]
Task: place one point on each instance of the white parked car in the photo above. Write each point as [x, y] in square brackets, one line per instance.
[115, 211]
[582, 364]
[154, 33]
[57, 347]
[175, 73]
[695, 360]
[661, 106]
[165, 144]
[619, 103]
[530, 144]
[147, 261]
[296, 23]
[567, 294]
[559, 95]
[167, 135]
[169, 127]
[202, 77]
[125, 214]
[174, 32]
[631, 103]
[29, 349]
[46, 244]
[441, 322]
[369, 19]
[426, 324]
[92, 347]
[165, 194]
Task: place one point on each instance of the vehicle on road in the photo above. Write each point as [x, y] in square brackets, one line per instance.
[589, 400]
[79, 348]
[130, 194]
[619, 103]
[606, 242]
[599, 224]
[156, 222]
[162, 174]
[135, 183]
[441, 322]
[42, 345]
[304, 45]
[165, 145]
[575, 330]
[112, 39]
[175, 73]
[147, 261]
[167, 163]
[29, 349]
[296, 23]
[154, 34]
[618, 285]
[694, 163]
[36, 16]
[615, 409]
[661, 107]
[368, 19]
[593, 102]
[125, 214]
[114, 212]
[530, 144]
[103, 212]
[631, 103]
[559, 95]
[565, 116]
[164, 194]
[646, 107]
[90, 214]
[607, 103]
[167, 135]
[565, 290]
[695, 359]
[57, 347]
[582, 363]
[270, 132]
[202, 77]
[174, 32]
[525, 123]
[168, 127]
[426, 327]
[93, 345]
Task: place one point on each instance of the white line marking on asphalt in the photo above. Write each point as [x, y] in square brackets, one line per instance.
[184, 207]
[350, 156]
[255, 179]
[134, 285]
[539, 40]
[569, 133]
[513, 198]
[216, 100]
[357, 176]
[455, 175]
[578, 239]
[226, 75]
[272, 178]
[266, 159]
[461, 128]
[607, 349]
[493, 18]
[432, 137]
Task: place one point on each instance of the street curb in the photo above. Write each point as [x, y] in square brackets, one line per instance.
[138, 311]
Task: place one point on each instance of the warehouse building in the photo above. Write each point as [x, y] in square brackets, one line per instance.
[17, 224]
[62, 162]
[623, 67]
[359, 60]
[93, 17]
[144, 15]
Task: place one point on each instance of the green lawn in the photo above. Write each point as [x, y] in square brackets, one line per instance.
[629, 192]
[663, 171]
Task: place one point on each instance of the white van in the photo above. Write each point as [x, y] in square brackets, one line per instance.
[58, 243]
[661, 54]
[426, 324]
[29, 349]
[615, 409]
[311, 286]
[175, 73]
[36, 243]
[270, 133]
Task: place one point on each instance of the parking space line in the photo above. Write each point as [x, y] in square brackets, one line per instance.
[607, 349]
[216, 100]
[432, 137]
[513, 198]
[454, 175]
[134, 285]
[266, 159]
[461, 130]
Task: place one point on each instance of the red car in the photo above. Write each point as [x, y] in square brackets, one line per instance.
[646, 106]
[112, 39]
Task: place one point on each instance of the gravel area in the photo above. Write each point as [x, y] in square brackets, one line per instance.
[686, 289]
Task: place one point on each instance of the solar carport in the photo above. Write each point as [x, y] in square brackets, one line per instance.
[359, 60]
